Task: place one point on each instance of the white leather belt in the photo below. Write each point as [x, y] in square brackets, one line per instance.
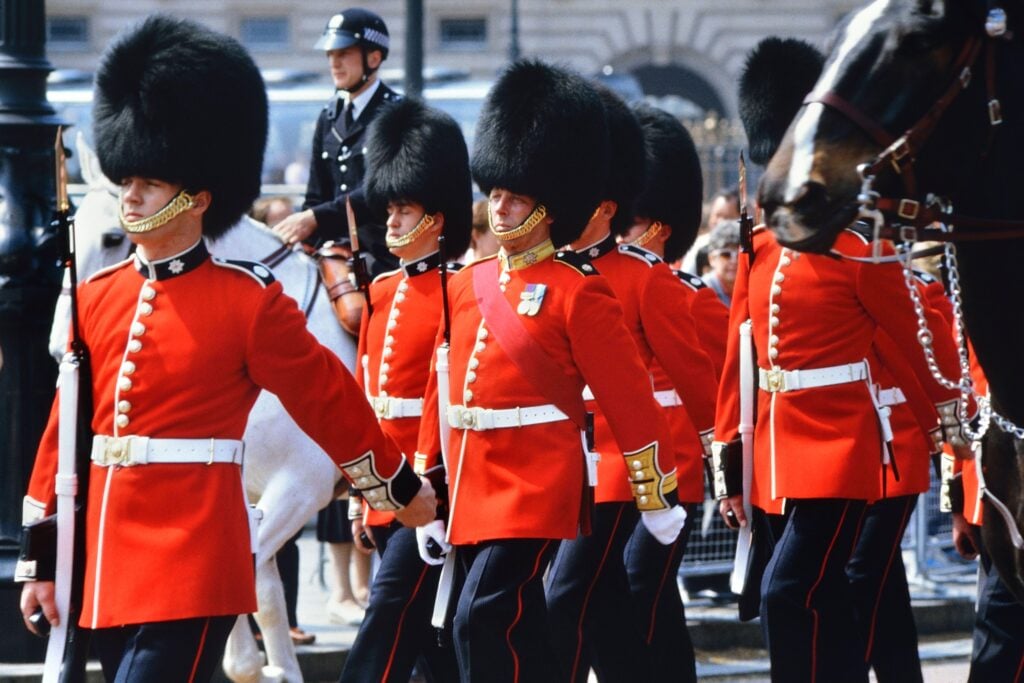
[668, 398]
[391, 408]
[588, 395]
[792, 380]
[142, 450]
[480, 419]
[891, 397]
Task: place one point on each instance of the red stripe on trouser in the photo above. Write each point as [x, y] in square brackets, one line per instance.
[810, 594]
[401, 621]
[881, 586]
[199, 651]
[519, 611]
[590, 590]
[657, 594]
[1020, 668]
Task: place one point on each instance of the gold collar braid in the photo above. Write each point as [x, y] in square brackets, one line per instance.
[525, 259]
[183, 201]
[536, 216]
[408, 238]
[648, 235]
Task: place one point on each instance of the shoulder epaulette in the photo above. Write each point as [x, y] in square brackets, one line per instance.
[924, 277]
[690, 280]
[639, 253]
[103, 272]
[387, 274]
[861, 230]
[578, 262]
[257, 271]
[454, 267]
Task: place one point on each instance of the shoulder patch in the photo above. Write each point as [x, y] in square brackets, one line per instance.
[257, 271]
[925, 277]
[103, 272]
[690, 280]
[640, 254]
[578, 262]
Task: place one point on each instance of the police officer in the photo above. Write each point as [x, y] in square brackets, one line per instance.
[418, 173]
[818, 441]
[356, 42]
[181, 345]
[530, 328]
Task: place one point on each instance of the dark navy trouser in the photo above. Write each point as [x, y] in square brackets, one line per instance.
[806, 602]
[396, 629]
[998, 651]
[180, 651]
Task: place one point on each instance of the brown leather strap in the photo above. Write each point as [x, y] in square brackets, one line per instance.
[515, 340]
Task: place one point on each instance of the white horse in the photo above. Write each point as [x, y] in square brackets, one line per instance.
[286, 474]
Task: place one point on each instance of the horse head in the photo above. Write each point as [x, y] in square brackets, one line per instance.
[889, 65]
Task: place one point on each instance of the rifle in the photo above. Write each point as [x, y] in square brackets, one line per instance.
[358, 262]
[746, 221]
[68, 646]
[442, 601]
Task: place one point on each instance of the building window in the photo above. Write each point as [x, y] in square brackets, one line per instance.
[464, 33]
[67, 33]
[265, 33]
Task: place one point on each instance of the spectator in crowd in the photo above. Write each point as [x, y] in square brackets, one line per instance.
[723, 248]
[724, 205]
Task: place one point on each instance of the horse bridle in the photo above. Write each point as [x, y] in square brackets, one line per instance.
[913, 216]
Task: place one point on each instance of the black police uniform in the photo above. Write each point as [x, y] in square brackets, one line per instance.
[336, 170]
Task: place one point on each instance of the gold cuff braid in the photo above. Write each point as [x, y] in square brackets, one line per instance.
[650, 485]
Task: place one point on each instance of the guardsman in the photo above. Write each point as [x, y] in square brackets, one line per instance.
[181, 345]
[530, 328]
[997, 653]
[588, 589]
[876, 571]
[418, 173]
[818, 439]
[356, 42]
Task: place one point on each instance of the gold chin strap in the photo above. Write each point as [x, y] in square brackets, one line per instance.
[536, 216]
[408, 238]
[648, 235]
[183, 201]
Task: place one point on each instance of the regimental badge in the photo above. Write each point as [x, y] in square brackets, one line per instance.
[531, 299]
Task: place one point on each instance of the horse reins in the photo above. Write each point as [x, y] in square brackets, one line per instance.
[914, 216]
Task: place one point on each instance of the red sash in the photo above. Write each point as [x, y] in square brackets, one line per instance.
[515, 340]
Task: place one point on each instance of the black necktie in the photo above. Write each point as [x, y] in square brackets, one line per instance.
[349, 118]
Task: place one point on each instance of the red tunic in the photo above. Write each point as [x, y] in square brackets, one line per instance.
[814, 311]
[395, 362]
[181, 349]
[656, 307]
[526, 482]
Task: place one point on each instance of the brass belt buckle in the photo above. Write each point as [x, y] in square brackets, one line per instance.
[380, 406]
[467, 418]
[116, 451]
[775, 380]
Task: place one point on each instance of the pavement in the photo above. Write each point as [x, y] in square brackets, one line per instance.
[727, 650]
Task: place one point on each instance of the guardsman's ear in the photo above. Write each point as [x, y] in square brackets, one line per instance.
[201, 201]
[438, 222]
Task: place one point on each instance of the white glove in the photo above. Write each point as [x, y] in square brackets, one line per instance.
[432, 531]
[664, 525]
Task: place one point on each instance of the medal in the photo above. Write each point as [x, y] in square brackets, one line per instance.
[530, 299]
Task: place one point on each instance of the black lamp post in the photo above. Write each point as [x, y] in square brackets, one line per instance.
[513, 43]
[29, 285]
[414, 48]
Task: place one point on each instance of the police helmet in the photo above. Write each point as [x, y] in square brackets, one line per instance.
[355, 26]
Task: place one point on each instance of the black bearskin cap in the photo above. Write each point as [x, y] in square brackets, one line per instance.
[418, 153]
[626, 158]
[674, 191]
[179, 102]
[542, 133]
[777, 76]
